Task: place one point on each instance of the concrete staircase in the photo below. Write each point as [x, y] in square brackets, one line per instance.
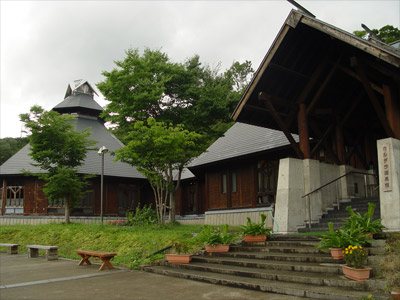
[288, 265]
[336, 215]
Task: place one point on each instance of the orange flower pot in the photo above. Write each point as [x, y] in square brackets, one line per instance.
[356, 274]
[337, 253]
[217, 248]
[179, 258]
[395, 294]
[255, 238]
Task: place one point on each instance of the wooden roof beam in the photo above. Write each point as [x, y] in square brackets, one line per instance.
[374, 100]
[288, 70]
[320, 90]
[266, 100]
[354, 75]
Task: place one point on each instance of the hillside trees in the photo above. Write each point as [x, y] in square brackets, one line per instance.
[58, 150]
[10, 146]
[387, 34]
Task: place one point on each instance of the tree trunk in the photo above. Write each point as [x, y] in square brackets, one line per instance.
[67, 209]
[172, 207]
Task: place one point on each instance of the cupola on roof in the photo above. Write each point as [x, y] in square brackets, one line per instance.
[79, 99]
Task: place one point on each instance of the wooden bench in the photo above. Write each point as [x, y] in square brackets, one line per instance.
[104, 256]
[11, 248]
[51, 251]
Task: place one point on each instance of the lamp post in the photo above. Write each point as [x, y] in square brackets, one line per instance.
[101, 152]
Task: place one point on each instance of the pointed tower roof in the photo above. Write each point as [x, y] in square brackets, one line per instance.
[79, 99]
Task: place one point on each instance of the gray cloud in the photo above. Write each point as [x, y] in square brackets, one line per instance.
[47, 44]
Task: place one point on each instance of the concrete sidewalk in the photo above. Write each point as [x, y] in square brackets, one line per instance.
[39, 279]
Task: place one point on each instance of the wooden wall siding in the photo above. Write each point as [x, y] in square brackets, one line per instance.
[40, 197]
[110, 199]
[29, 197]
[215, 197]
[245, 195]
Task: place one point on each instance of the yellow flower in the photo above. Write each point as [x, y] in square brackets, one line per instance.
[351, 252]
[355, 247]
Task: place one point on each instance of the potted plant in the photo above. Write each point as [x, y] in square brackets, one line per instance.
[337, 240]
[181, 254]
[364, 222]
[255, 232]
[217, 240]
[355, 257]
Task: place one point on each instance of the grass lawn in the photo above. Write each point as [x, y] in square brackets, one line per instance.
[133, 244]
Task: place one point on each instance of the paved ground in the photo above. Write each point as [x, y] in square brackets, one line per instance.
[39, 279]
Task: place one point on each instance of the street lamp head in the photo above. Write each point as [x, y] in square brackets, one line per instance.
[102, 150]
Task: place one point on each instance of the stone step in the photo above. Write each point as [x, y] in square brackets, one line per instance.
[273, 242]
[294, 257]
[281, 287]
[331, 268]
[329, 279]
[294, 238]
[276, 249]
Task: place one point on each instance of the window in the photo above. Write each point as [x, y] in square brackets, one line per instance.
[233, 180]
[223, 184]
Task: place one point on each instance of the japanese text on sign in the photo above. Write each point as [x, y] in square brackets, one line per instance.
[386, 169]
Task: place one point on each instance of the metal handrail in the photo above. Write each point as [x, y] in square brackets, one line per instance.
[332, 181]
[308, 203]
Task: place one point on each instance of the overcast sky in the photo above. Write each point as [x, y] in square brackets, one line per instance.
[47, 44]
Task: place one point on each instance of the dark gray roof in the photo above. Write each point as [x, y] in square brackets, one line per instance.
[78, 101]
[240, 140]
[92, 164]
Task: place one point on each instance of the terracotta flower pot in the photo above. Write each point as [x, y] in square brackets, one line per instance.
[255, 238]
[356, 274]
[337, 253]
[217, 248]
[179, 258]
[395, 294]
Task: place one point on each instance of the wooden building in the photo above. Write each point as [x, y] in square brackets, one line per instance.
[237, 175]
[330, 87]
[124, 186]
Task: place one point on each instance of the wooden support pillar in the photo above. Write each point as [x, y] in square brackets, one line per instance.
[303, 130]
[340, 150]
[266, 99]
[3, 197]
[392, 110]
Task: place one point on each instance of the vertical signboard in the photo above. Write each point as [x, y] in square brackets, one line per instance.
[386, 168]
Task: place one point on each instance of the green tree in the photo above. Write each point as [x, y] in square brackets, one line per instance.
[160, 152]
[58, 150]
[152, 86]
[387, 34]
[10, 146]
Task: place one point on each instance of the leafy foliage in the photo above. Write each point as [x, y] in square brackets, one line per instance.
[160, 151]
[387, 34]
[150, 85]
[142, 217]
[10, 146]
[216, 236]
[58, 150]
[342, 238]
[355, 256]
[252, 228]
[364, 222]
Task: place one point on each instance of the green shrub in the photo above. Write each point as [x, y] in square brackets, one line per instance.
[364, 222]
[252, 228]
[342, 238]
[143, 216]
[216, 236]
